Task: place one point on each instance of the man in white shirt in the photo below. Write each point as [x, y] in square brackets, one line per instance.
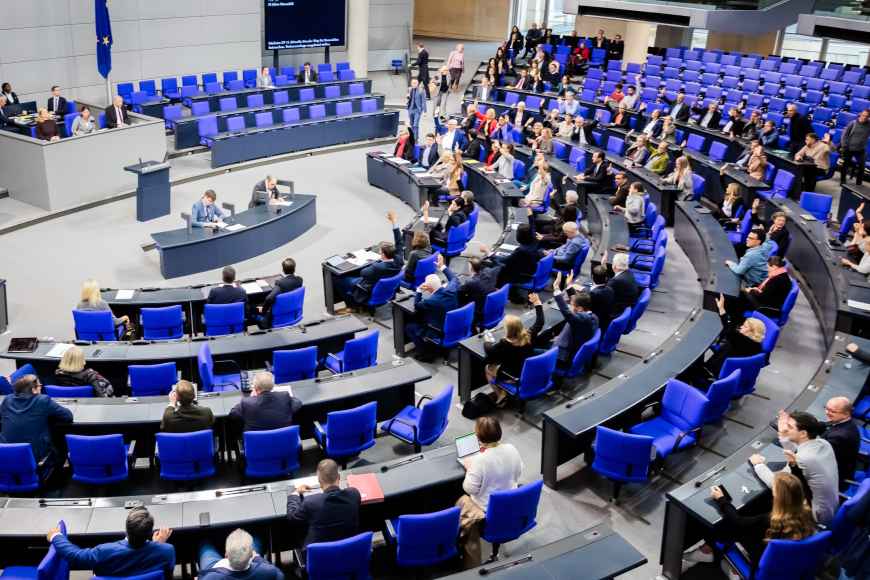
[809, 457]
[451, 138]
[630, 98]
[497, 467]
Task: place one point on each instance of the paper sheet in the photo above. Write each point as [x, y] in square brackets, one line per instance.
[859, 305]
[235, 227]
[285, 388]
[124, 294]
[367, 255]
[507, 247]
[252, 288]
[58, 349]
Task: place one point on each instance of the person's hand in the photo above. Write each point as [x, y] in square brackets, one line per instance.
[570, 278]
[722, 170]
[391, 217]
[173, 397]
[466, 463]
[790, 457]
[782, 420]
[161, 535]
[852, 348]
[729, 263]
[716, 492]
[529, 210]
[51, 533]
[642, 107]
[826, 138]
[557, 283]
[534, 299]
[844, 262]
[302, 488]
[538, 236]
[720, 303]
[439, 262]
[757, 459]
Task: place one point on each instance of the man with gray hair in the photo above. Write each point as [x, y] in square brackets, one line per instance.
[624, 286]
[265, 409]
[432, 302]
[265, 192]
[843, 435]
[242, 560]
[564, 255]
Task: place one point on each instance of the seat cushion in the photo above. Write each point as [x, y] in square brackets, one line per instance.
[409, 414]
[19, 572]
[664, 435]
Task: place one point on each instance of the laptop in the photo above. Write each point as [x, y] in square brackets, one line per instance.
[466, 446]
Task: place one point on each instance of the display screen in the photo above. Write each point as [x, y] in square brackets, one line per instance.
[305, 23]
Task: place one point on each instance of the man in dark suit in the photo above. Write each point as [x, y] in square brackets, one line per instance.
[116, 114]
[651, 124]
[580, 325]
[356, 290]
[622, 186]
[679, 109]
[183, 415]
[769, 296]
[429, 153]
[328, 516]
[520, 265]
[581, 132]
[476, 287]
[602, 297]
[288, 283]
[798, 128]
[5, 122]
[624, 286]
[264, 192]
[423, 67]
[266, 408]
[56, 103]
[432, 302]
[307, 75]
[228, 292]
[597, 179]
[709, 118]
[453, 217]
[843, 435]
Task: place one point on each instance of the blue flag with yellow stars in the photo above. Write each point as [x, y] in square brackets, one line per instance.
[104, 37]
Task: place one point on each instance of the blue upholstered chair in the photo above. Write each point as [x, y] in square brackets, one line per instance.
[273, 453]
[347, 433]
[421, 425]
[287, 309]
[458, 325]
[342, 559]
[614, 332]
[60, 392]
[18, 469]
[186, 456]
[53, 566]
[719, 395]
[510, 514]
[622, 457]
[152, 380]
[208, 380]
[162, 323]
[99, 459]
[683, 408]
[494, 307]
[96, 325]
[795, 560]
[749, 367]
[424, 267]
[220, 319]
[358, 353]
[424, 540]
[294, 365]
[536, 377]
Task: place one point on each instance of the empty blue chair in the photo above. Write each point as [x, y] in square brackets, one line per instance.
[817, 204]
[208, 380]
[169, 88]
[782, 184]
[637, 310]
[162, 323]
[52, 567]
[583, 358]
[96, 325]
[249, 76]
[55, 391]
[186, 456]
[200, 108]
[17, 468]
[718, 150]
[332, 92]
[306, 94]
[256, 100]
[152, 380]
[235, 124]
[208, 130]
[494, 306]
[290, 115]
[278, 98]
[358, 353]
[473, 217]
[344, 108]
[189, 81]
[698, 186]
[294, 365]
[536, 377]
[171, 114]
[209, 78]
[288, 307]
[510, 514]
[272, 453]
[317, 111]
[424, 539]
[343, 65]
[719, 395]
[264, 119]
[369, 106]
[213, 88]
[615, 330]
[220, 319]
[615, 145]
[282, 80]
[795, 560]
[347, 433]
[622, 457]
[236, 85]
[125, 90]
[695, 142]
[100, 459]
[384, 290]
[342, 559]
[458, 325]
[230, 76]
[346, 75]
[356, 89]
[749, 367]
[457, 239]
[418, 425]
[288, 71]
[424, 267]
[541, 278]
[679, 424]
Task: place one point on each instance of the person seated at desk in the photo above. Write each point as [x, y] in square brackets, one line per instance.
[710, 118]
[679, 109]
[46, 128]
[56, 103]
[552, 120]
[752, 267]
[602, 297]
[453, 139]
[116, 114]
[475, 287]
[620, 196]
[420, 249]
[536, 84]
[639, 151]
[27, 416]
[503, 131]
[328, 516]
[769, 296]
[356, 290]
[790, 518]
[631, 96]
[504, 164]
[551, 74]
[612, 100]
[581, 132]
[843, 434]
[550, 230]
[520, 118]
[659, 159]
[429, 153]
[504, 359]
[229, 292]
[519, 266]
[564, 255]
[449, 173]
[11, 96]
[634, 210]
[581, 323]
[241, 561]
[287, 283]
[753, 127]
[265, 409]
[569, 105]
[307, 75]
[565, 127]
[753, 161]
[91, 298]
[432, 301]
[84, 124]
[621, 118]
[819, 152]
[597, 177]
[776, 228]
[651, 124]
[453, 217]
[143, 550]
[578, 62]
[624, 286]
[862, 267]
[265, 192]
[204, 213]
[5, 116]
[544, 142]
[494, 153]
[471, 120]
[728, 211]
[497, 467]
[71, 372]
[769, 135]
[523, 81]
[681, 177]
[564, 86]
[264, 79]
[476, 144]
[533, 133]
[735, 123]
[183, 414]
[483, 91]
[404, 148]
[669, 131]
[468, 204]
[538, 187]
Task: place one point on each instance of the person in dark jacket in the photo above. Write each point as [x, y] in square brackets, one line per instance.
[183, 415]
[597, 179]
[229, 292]
[476, 287]
[856, 555]
[453, 217]
[505, 358]
[769, 296]
[420, 249]
[476, 144]
[28, 416]
[432, 301]
[356, 290]
[405, 144]
[328, 516]
[242, 560]
[289, 282]
[798, 128]
[843, 435]
[624, 286]
[71, 372]
[602, 297]
[266, 408]
[581, 323]
[520, 265]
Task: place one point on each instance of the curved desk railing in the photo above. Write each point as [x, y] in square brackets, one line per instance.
[407, 181]
[268, 92]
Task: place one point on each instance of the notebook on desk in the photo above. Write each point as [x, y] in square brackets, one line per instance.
[339, 263]
[368, 486]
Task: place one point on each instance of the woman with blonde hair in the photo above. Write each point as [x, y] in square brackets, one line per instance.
[728, 210]
[91, 299]
[505, 358]
[544, 143]
[71, 372]
[538, 187]
[681, 176]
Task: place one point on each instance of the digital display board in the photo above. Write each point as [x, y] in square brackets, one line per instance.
[293, 24]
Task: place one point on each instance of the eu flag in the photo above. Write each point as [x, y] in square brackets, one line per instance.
[104, 37]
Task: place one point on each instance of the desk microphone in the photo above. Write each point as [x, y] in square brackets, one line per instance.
[386, 468]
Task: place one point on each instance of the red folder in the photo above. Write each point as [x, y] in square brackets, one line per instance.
[368, 487]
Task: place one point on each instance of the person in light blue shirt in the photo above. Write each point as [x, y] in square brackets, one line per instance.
[564, 255]
[752, 268]
[204, 213]
[569, 105]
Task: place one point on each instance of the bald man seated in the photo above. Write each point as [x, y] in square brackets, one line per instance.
[843, 435]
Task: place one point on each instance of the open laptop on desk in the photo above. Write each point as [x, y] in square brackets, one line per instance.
[466, 446]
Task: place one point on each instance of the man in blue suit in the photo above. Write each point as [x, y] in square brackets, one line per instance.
[143, 550]
[356, 290]
[204, 213]
[416, 106]
[580, 323]
[432, 302]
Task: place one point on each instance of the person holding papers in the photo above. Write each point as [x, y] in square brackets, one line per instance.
[356, 290]
[328, 516]
[204, 213]
[289, 282]
[453, 217]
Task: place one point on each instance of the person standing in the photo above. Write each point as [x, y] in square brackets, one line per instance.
[798, 128]
[456, 65]
[423, 68]
[853, 145]
[443, 82]
[416, 105]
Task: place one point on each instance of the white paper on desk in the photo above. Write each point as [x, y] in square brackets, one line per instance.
[285, 388]
[252, 288]
[859, 305]
[283, 202]
[423, 174]
[124, 294]
[58, 349]
[235, 227]
[507, 247]
[310, 482]
[399, 161]
[366, 255]
[431, 220]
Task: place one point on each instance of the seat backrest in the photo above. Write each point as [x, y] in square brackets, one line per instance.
[385, 289]
[264, 119]
[622, 456]
[434, 416]
[719, 396]
[257, 100]
[235, 124]
[205, 365]
[356, 89]
[614, 332]
[536, 377]
[54, 566]
[424, 267]
[236, 85]
[797, 560]
[843, 526]
[207, 126]
[172, 112]
[427, 539]
[695, 142]
[512, 512]
[350, 430]
[698, 186]
[543, 271]
[458, 325]
[125, 90]
[771, 331]
[213, 88]
[718, 150]
[818, 204]
[97, 459]
[200, 108]
[290, 115]
[94, 325]
[209, 78]
[185, 456]
[317, 111]
[346, 75]
[17, 468]
[615, 144]
[846, 225]
[788, 304]
[278, 98]
[369, 106]
[189, 81]
[749, 367]
[224, 318]
[56, 391]
[344, 108]
[152, 380]
[287, 309]
[294, 365]
[162, 323]
[638, 309]
[683, 406]
[342, 559]
[494, 306]
[584, 355]
[272, 453]
[457, 238]
[306, 94]
[332, 92]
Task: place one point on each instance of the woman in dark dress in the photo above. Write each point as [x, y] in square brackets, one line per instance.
[505, 358]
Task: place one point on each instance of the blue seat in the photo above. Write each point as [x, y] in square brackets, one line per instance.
[264, 119]
[236, 85]
[290, 115]
[718, 150]
[369, 106]
[59, 392]
[171, 114]
[255, 100]
[208, 380]
[280, 98]
[294, 365]
[287, 309]
[699, 185]
[272, 453]
[615, 145]
[317, 111]
[846, 225]
[817, 204]
[719, 395]
[342, 559]
[249, 76]
[358, 353]
[473, 218]
[189, 81]
[332, 92]
[208, 130]
[795, 560]
[96, 325]
[695, 142]
[220, 319]
[458, 325]
[230, 76]
[169, 88]
[384, 290]
[679, 424]
[739, 236]
[125, 90]
[519, 169]
[209, 78]
[356, 89]
[583, 358]
[212, 88]
[424, 539]
[235, 124]
[347, 433]
[6, 385]
[637, 310]
[17, 468]
[494, 306]
[424, 267]
[615, 330]
[457, 239]
[153, 575]
[510, 514]
[344, 109]
[152, 380]
[100, 459]
[288, 71]
[186, 456]
[622, 457]
[788, 305]
[749, 367]
[541, 278]
[162, 323]
[200, 108]
[418, 425]
[536, 377]
[844, 524]
[53, 566]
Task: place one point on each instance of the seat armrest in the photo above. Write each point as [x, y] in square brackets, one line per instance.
[268, 366]
[423, 398]
[337, 361]
[319, 428]
[131, 451]
[389, 531]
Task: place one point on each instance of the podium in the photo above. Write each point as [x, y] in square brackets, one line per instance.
[152, 193]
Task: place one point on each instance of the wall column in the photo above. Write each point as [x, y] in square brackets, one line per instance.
[763, 44]
[673, 36]
[358, 36]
